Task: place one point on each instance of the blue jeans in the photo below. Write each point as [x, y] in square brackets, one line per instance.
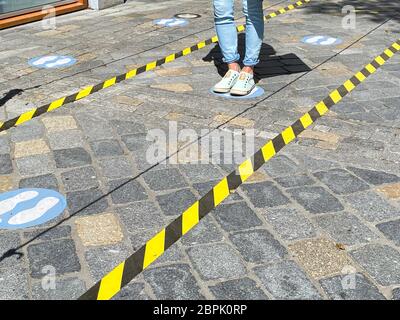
[227, 34]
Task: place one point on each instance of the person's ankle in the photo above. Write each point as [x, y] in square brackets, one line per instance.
[234, 66]
[248, 69]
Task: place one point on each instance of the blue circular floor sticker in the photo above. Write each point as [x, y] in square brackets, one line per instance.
[319, 40]
[24, 208]
[255, 93]
[171, 22]
[49, 62]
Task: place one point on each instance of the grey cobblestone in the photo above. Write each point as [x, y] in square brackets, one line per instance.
[205, 232]
[372, 207]
[133, 291]
[173, 282]
[5, 164]
[125, 191]
[391, 230]
[65, 289]
[236, 216]
[116, 168]
[176, 202]
[73, 157]
[86, 202]
[295, 181]
[47, 181]
[106, 148]
[345, 228]
[316, 199]
[381, 262]
[341, 182]
[258, 246]
[238, 289]
[351, 287]
[164, 179]
[80, 179]
[60, 254]
[264, 194]
[285, 280]
[289, 223]
[216, 261]
[35, 165]
[374, 177]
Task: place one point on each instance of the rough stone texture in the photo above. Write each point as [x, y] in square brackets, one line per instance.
[316, 199]
[237, 216]
[285, 280]
[380, 261]
[173, 282]
[106, 148]
[320, 257]
[345, 228]
[80, 179]
[133, 291]
[374, 177]
[60, 254]
[65, 289]
[86, 202]
[125, 191]
[391, 230]
[59, 123]
[73, 157]
[238, 289]
[164, 179]
[204, 232]
[341, 181]
[351, 287]
[99, 229]
[47, 181]
[6, 183]
[372, 207]
[216, 261]
[289, 223]
[265, 194]
[258, 246]
[30, 148]
[176, 202]
[392, 191]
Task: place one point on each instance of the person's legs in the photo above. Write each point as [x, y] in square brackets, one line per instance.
[253, 11]
[226, 32]
[228, 42]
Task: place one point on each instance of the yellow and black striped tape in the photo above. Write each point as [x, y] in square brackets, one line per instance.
[24, 117]
[121, 275]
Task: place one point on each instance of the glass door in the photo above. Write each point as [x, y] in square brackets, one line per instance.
[13, 7]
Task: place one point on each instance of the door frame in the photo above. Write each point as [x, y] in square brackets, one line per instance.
[38, 14]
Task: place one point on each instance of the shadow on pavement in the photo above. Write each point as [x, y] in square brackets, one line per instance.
[270, 64]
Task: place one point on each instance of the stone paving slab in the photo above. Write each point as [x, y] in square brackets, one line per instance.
[327, 207]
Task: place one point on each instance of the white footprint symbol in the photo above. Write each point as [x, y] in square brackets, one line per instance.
[58, 63]
[9, 204]
[314, 39]
[43, 60]
[34, 213]
[328, 41]
[175, 23]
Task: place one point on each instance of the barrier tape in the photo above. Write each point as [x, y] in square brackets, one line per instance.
[121, 275]
[33, 113]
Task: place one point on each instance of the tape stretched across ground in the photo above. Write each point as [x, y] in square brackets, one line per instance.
[121, 275]
[33, 113]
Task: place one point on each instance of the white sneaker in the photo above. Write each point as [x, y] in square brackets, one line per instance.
[244, 85]
[227, 82]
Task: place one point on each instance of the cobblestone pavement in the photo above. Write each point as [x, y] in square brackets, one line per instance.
[327, 205]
